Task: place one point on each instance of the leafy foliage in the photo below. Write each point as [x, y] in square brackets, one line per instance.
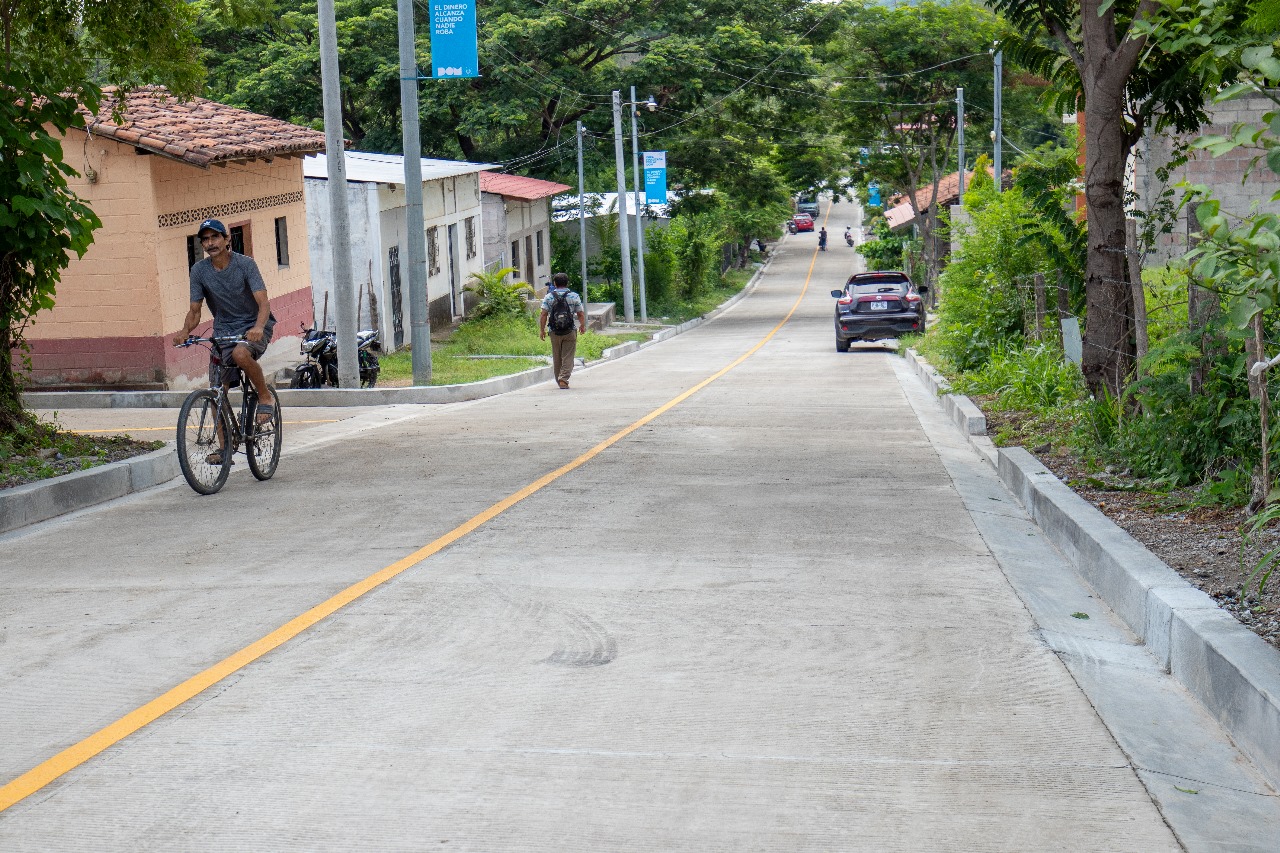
[55, 56]
[498, 297]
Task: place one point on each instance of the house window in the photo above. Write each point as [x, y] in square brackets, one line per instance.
[242, 239]
[538, 243]
[515, 256]
[282, 241]
[471, 236]
[433, 250]
[194, 251]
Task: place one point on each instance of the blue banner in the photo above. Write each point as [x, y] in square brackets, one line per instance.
[873, 195]
[655, 177]
[454, 52]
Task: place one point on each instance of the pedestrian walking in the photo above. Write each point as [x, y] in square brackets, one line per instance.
[822, 240]
[560, 307]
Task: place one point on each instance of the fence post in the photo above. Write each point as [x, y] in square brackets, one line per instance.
[1139, 294]
[1064, 306]
[1041, 307]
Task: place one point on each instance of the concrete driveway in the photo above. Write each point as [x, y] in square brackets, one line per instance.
[725, 594]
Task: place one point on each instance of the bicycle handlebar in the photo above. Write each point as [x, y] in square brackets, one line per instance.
[220, 339]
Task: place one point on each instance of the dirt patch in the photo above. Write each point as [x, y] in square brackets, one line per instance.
[1205, 545]
[59, 453]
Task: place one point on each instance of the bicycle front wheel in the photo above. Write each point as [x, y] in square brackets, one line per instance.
[263, 444]
[202, 453]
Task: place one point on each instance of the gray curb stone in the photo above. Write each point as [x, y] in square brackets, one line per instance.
[35, 502]
[1232, 671]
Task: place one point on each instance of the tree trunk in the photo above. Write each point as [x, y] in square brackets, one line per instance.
[1108, 356]
[12, 415]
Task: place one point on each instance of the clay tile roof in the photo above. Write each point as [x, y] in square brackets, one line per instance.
[948, 193]
[198, 131]
[517, 186]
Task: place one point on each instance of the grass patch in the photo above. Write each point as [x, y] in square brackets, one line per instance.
[705, 302]
[517, 337]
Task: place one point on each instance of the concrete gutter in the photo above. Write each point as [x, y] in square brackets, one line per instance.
[1232, 671]
[34, 502]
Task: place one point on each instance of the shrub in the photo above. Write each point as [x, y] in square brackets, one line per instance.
[498, 297]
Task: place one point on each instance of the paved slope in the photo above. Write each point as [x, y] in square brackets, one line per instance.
[763, 620]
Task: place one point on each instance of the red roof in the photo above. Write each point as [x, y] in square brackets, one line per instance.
[948, 193]
[518, 186]
[198, 131]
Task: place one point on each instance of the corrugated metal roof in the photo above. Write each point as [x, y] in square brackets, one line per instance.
[370, 168]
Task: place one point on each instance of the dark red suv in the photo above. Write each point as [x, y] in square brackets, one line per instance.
[878, 305]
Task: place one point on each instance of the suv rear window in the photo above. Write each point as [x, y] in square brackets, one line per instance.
[894, 278]
[861, 287]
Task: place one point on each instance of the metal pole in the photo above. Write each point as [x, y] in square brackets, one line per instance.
[624, 237]
[635, 180]
[582, 221]
[416, 245]
[344, 292]
[960, 137]
[998, 130]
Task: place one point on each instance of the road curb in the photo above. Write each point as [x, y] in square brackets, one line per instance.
[35, 502]
[1232, 671]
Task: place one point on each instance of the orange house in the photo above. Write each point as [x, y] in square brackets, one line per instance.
[152, 179]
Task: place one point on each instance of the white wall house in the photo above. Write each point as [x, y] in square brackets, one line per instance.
[517, 225]
[376, 203]
[600, 209]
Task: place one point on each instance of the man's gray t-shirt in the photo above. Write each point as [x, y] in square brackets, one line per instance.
[229, 294]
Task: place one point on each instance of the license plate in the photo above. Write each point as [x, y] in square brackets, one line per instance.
[879, 306]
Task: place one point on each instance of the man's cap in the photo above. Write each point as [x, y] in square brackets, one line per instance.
[213, 225]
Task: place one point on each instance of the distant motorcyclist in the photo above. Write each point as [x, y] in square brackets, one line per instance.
[822, 240]
[848, 234]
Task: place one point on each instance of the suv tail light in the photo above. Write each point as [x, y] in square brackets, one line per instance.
[845, 300]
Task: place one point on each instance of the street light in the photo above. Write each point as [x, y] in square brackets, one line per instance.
[650, 105]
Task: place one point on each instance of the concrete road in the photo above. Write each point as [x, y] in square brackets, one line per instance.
[757, 616]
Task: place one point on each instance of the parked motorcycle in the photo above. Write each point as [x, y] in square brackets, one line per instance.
[320, 347]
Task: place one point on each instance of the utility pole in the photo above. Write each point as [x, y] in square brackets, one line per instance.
[635, 179]
[960, 137]
[624, 237]
[582, 221]
[998, 130]
[416, 247]
[344, 308]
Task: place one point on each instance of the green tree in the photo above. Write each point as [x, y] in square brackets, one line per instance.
[896, 71]
[57, 56]
[1127, 84]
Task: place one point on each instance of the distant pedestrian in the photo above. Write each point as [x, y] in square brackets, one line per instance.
[559, 308]
[822, 240]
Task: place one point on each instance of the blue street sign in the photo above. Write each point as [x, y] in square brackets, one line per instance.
[454, 52]
[655, 177]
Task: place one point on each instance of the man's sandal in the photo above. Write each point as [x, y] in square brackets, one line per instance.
[265, 413]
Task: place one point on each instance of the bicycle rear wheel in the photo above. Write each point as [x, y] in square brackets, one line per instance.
[263, 444]
[203, 457]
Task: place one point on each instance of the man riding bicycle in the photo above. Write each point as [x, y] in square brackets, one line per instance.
[232, 285]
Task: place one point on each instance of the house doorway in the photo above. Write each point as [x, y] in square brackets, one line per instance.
[455, 283]
[528, 260]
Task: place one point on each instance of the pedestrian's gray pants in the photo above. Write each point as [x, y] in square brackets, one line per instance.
[563, 348]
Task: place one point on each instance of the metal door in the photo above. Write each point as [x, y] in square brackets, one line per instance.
[455, 283]
[397, 301]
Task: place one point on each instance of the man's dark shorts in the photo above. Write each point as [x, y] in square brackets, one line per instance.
[224, 350]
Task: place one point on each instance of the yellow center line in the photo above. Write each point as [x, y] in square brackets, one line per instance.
[52, 768]
[120, 430]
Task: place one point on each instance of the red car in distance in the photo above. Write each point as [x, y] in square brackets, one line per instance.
[801, 222]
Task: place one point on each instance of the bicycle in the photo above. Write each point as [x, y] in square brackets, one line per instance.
[210, 433]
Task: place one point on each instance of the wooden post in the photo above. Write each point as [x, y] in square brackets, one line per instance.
[1064, 305]
[1041, 307]
[1258, 387]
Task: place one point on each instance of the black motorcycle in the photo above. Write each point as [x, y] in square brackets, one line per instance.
[320, 347]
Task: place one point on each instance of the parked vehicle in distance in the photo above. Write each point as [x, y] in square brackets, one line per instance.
[878, 305]
[807, 204]
[320, 347]
[801, 222]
